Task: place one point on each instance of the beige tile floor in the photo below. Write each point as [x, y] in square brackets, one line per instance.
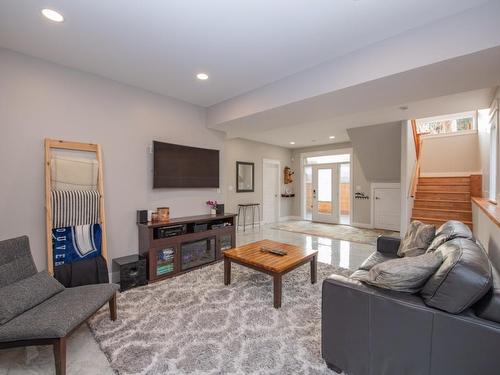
[84, 356]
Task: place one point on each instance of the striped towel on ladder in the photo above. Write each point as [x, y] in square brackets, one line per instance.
[74, 207]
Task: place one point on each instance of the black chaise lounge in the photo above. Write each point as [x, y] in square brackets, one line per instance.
[35, 309]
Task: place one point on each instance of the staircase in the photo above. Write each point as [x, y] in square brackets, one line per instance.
[439, 199]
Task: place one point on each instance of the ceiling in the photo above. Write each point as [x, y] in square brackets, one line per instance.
[317, 133]
[160, 45]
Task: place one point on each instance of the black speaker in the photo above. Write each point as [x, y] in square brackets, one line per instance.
[142, 216]
[220, 209]
[133, 271]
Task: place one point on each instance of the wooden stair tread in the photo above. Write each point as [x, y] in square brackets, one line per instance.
[443, 192]
[444, 183]
[441, 210]
[440, 200]
[436, 219]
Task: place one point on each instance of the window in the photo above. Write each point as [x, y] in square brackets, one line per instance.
[327, 159]
[447, 124]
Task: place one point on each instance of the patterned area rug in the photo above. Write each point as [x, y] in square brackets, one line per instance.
[193, 324]
[338, 232]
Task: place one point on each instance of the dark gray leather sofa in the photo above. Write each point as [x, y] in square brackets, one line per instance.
[371, 331]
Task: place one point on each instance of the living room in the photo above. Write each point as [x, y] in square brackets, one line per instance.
[250, 128]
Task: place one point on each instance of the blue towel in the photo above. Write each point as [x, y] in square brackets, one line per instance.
[71, 244]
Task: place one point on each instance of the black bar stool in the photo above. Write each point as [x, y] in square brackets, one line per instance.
[242, 208]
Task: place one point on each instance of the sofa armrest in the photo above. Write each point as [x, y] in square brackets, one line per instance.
[388, 245]
[365, 329]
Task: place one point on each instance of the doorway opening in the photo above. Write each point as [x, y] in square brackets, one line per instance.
[326, 188]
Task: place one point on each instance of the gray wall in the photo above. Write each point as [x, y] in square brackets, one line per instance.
[40, 99]
[244, 150]
[378, 148]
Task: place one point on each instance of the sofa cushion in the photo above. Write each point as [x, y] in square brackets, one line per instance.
[448, 231]
[16, 262]
[18, 297]
[463, 278]
[488, 307]
[407, 274]
[374, 259]
[417, 239]
[59, 315]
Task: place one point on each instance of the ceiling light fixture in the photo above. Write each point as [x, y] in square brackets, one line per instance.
[202, 76]
[292, 142]
[52, 15]
[332, 137]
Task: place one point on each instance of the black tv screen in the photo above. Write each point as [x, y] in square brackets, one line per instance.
[177, 166]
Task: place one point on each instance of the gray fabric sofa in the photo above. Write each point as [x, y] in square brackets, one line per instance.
[46, 311]
[369, 331]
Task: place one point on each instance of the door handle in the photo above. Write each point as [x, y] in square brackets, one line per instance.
[377, 198]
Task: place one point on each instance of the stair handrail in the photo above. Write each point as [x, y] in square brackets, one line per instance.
[418, 151]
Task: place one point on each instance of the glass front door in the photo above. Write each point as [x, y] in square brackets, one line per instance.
[325, 193]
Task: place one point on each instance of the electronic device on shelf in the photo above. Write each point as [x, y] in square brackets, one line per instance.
[170, 231]
[265, 249]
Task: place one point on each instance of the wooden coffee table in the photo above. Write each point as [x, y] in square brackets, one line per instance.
[275, 265]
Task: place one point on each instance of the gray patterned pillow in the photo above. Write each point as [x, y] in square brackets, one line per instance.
[408, 274]
[417, 239]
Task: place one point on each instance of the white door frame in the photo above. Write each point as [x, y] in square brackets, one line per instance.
[278, 199]
[338, 151]
[380, 185]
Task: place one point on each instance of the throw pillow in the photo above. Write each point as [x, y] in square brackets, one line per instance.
[417, 239]
[448, 231]
[408, 274]
[462, 279]
[22, 295]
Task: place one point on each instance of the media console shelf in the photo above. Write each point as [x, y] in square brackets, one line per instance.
[186, 243]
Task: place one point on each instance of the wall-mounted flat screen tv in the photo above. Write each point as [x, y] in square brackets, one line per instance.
[177, 166]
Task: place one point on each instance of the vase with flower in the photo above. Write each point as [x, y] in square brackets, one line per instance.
[213, 207]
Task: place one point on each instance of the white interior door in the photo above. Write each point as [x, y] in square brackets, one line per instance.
[387, 208]
[325, 199]
[270, 192]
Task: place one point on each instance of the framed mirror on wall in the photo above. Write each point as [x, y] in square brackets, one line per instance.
[245, 177]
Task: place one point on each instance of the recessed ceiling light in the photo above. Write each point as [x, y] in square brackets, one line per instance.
[292, 142]
[202, 76]
[403, 108]
[332, 137]
[53, 15]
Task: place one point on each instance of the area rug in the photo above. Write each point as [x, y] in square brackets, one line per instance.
[193, 324]
[338, 232]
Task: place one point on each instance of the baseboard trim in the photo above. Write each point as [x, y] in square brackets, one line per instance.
[362, 225]
[291, 217]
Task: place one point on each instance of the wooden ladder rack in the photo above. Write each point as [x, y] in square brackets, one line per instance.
[71, 146]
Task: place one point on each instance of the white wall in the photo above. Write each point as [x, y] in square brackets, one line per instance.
[40, 99]
[452, 154]
[254, 152]
[487, 232]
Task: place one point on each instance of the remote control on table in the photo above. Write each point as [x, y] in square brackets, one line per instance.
[273, 251]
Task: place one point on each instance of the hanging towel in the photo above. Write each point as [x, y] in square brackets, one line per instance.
[70, 208]
[71, 244]
[85, 272]
[71, 173]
